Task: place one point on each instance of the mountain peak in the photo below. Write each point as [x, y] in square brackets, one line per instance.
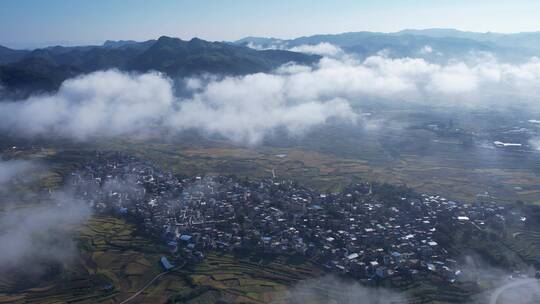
[118, 43]
[167, 39]
[45, 69]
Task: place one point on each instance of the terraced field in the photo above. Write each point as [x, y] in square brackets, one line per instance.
[115, 263]
[109, 267]
[526, 243]
[249, 279]
[434, 290]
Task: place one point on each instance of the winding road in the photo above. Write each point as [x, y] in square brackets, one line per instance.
[518, 283]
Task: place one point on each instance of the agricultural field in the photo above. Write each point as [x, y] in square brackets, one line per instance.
[524, 240]
[115, 263]
[449, 173]
[398, 149]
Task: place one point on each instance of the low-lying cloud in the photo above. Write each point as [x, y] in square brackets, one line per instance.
[36, 237]
[35, 234]
[535, 143]
[245, 109]
[426, 49]
[330, 289]
[322, 49]
[112, 103]
[10, 169]
[109, 103]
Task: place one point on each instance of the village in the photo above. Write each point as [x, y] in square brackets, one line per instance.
[353, 232]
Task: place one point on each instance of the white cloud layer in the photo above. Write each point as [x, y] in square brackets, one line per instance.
[111, 103]
[38, 234]
[316, 291]
[10, 169]
[246, 109]
[535, 143]
[426, 50]
[322, 49]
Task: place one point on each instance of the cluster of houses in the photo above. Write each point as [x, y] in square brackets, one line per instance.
[353, 231]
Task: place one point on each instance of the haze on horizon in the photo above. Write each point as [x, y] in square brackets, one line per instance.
[31, 24]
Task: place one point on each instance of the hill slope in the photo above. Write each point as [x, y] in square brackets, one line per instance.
[26, 72]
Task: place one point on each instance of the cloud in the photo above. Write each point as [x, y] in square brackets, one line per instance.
[275, 45]
[330, 289]
[496, 284]
[499, 285]
[426, 50]
[322, 49]
[535, 143]
[35, 233]
[34, 237]
[10, 169]
[111, 103]
[246, 109]
[482, 82]
[522, 290]
[454, 79]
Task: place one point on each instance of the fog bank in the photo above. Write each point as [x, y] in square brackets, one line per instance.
[246, 109]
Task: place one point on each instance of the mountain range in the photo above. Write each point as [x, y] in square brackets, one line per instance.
[439, 45]
[24, 72]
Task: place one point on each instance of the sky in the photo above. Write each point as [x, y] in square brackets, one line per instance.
[33, 23]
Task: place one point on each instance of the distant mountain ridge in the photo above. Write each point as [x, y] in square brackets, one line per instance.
[24, 72]
[43, 70]
[8, 55]
[442, 43]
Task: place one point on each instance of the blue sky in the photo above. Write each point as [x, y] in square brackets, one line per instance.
[26, 23]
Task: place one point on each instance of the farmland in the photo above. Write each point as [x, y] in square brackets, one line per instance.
[115, 260]
[114, 263]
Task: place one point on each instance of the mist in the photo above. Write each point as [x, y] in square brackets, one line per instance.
[330, 289]
[36, 235]
[535, 143]
[323, 49]
[499, 285]
[10, 169]
[39, 236]
[246, 109]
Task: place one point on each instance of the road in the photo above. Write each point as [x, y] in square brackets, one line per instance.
[518, 283]
[144, 287]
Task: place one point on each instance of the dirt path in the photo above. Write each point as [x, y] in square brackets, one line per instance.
[144, 287]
